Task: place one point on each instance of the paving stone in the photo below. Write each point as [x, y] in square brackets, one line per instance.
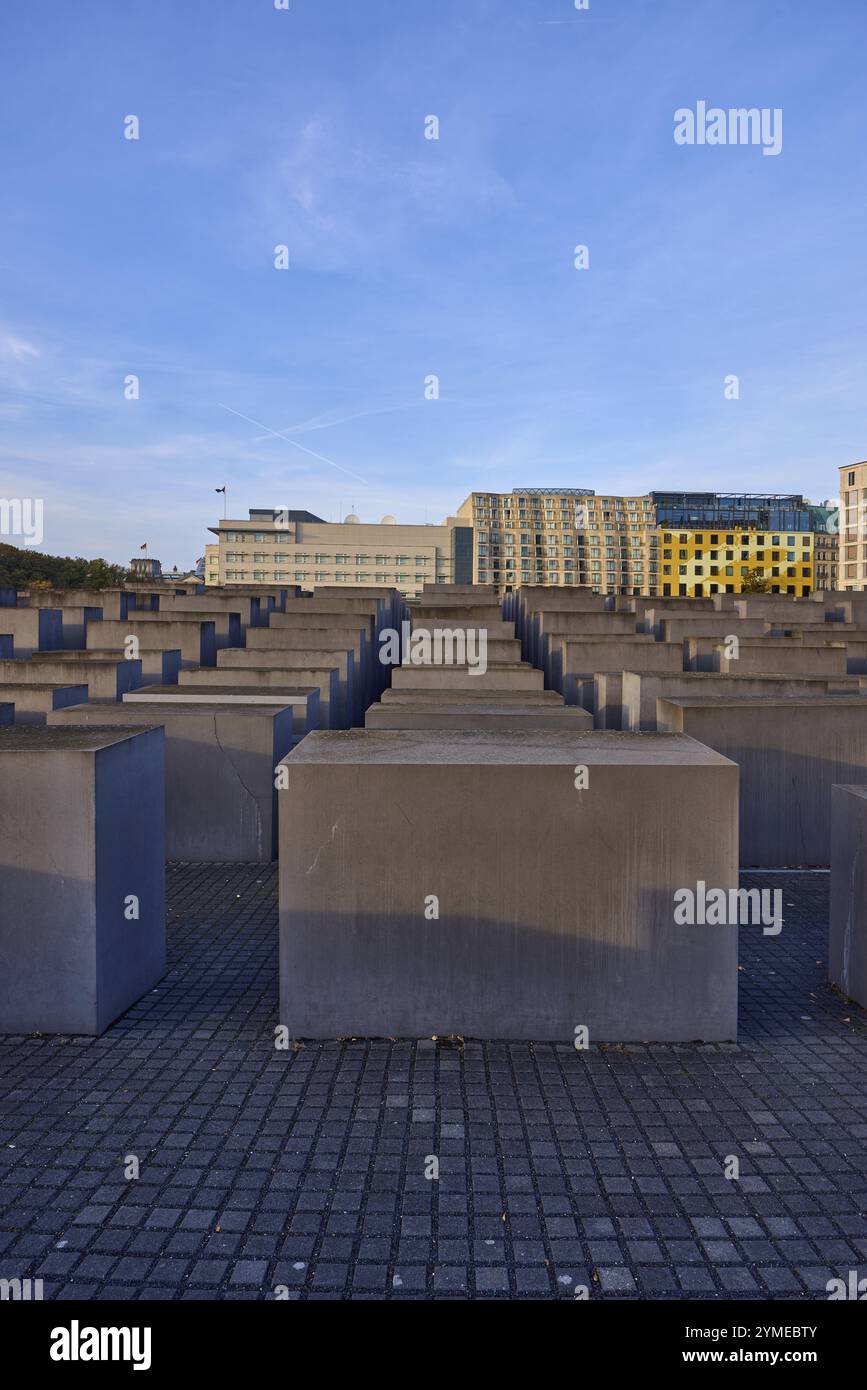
[306, 1168]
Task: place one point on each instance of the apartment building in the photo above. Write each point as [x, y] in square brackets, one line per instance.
[698, 563]
[274, 546]
[563, 536]
[718, 542]
[690, 544]
[825, 528]
[852, 554]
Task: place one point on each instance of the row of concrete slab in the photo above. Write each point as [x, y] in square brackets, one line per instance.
[234, 679]
[143, 725]
[774, 683]
[497, 852]
[556, 807]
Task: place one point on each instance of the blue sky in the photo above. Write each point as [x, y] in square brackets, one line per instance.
[412, 257]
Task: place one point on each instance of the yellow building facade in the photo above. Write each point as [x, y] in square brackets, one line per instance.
[698, 563]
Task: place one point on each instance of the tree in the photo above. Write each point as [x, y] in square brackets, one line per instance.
[755, 582]
[25, 569]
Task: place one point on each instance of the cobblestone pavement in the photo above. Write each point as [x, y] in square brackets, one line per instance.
[305, 1168]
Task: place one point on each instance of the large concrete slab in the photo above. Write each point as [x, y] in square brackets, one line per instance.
[219, 773]
[30, 630]
[83, 849]
[76, 618]
[541, 699]
[640, 690]
[517, 676]
[106, 678]
[195, 637]
[231, 617]
[718, 625]
[776, 656]
[790, 753]
[573, 665]
[555, 905]
[478, 717]
[33, 702]
[303, 703]
[157, 666]
[326, 679]
[847, 942]
[355, 683]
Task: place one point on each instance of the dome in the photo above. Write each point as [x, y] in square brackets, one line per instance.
[389, 520]
[352, 520]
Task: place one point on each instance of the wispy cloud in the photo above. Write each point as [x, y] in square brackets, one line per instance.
[15, 349]
[338, 201]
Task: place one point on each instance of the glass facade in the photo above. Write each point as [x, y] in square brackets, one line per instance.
[764, 511]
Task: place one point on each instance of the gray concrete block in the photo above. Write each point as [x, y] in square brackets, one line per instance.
[847, 940]
[778, 656]
[573, 665]
[790, 752]
[345, 707]
[159, 666]
[556, 906]
[106, 677]
[640, 690]
[478, 717]
[107, 602]
[303, 703]
[262, 679]
[33, 702]
[31, 629]
[514, 676]
[541, 699]
[83, 833]
[219, 773]
[195, 637]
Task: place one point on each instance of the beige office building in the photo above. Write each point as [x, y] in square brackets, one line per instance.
[563, 536]
[296, 547]
[852, 545]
